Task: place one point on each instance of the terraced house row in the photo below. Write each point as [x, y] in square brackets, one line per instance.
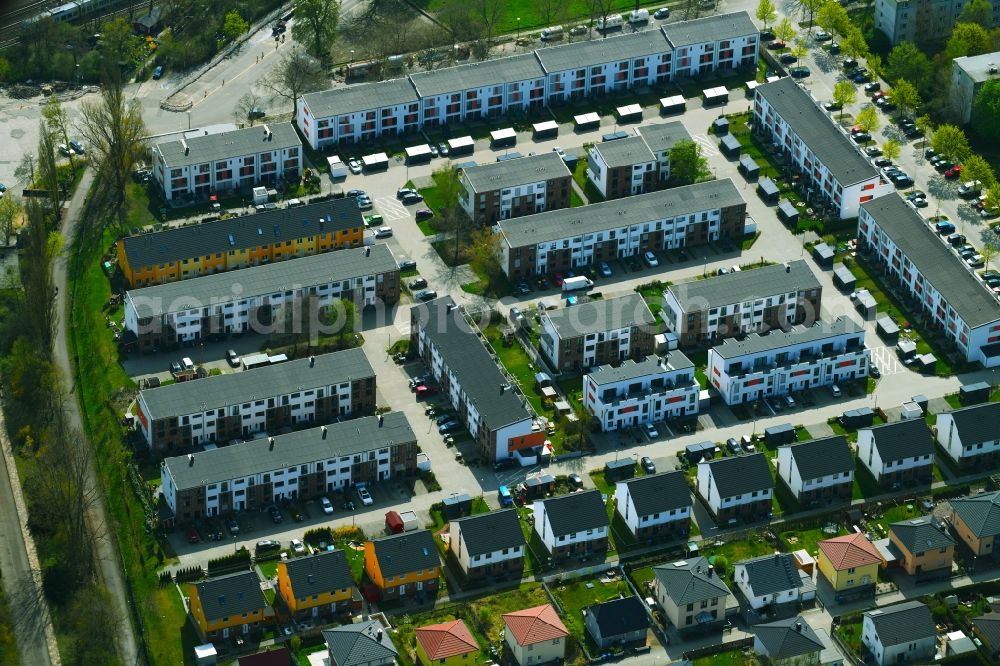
[179, 253]
[551, 75]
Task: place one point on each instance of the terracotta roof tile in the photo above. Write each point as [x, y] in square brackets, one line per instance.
[850, 550]
[446, 639]
[534, 625]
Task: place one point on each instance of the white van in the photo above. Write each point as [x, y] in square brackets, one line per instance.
[187, 363]
[552, 32]
[639, 16]
[611, 21]
[337, 168]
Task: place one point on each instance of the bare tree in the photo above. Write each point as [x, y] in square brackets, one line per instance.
[25, 171]
[39, 314]
[488, 13]
[48, 172]
[55, 118]
[295, 74]
[95, 624]
[549, 10]
[600, 9]
[247, 107]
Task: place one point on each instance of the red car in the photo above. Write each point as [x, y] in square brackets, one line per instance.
[878, 95]
[558, 279]
[775, 45]
[192, 535]
[856, 130]
[953, 172]
[425, 391]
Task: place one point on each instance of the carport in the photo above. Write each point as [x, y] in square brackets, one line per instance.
[887, 329]
[546, 130]
[720, 126]
[823, 254]
[787, 212]
[461, 145]
[751, 86]
[674, 104]
[718, 95]
[730, 146]
[748, 167]
[375, 162]
[700, 451]
[844, 278]
[779, 434]
[629, 113]
[926, 362]
[503, 138]
[865, 304]
[587, 121]
[768, 191]
[418, 154]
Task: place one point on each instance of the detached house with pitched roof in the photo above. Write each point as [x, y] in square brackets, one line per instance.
[899, 452]
[976, 521]
[691, 594]
[971, 435]
[622, 621]
[228, 606]
[849, 562]
[405, 564]
[925, 548]
[574, 524]
[788, 642]
[319, 584]
[817, 471]
[535, 635]
[900, 634]
[655, 506]
[771, 580]
[738, 487]
[448, 643]
[488, 544]
[366, 643]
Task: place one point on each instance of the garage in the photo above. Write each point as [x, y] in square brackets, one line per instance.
[462, 145]
[503, 138]
[547, 130]
[586, 122]
[673, 104]
[418, 154]
[375, 162]
[630, 113]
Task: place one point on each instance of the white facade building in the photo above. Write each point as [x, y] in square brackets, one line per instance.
[831, 163]
[636, 393]
[971, 435]
[737, 486]
[922, 20]
[720, 43]
[488, 543]
[360, 112]
[961, 306]
[901, 634]
[776, 364]
[572, 524]
[817, 469]
[204, 164]
[968, 74]
[655, 504]
[771, 580]
[897, 452]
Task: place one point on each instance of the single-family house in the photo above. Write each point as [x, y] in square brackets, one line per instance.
[691, 594]
[817, 471]
[770, 580]
[488, 544]
[404, 564]
[447, 643]
[655, 506]
[849, 562]
[971, 435]
[621, 621]
[574, 524]
[367, 643]
[535, 635]
[976, 521]
[736, 487]
[228, 606]
[987, 628]
[787, 642]
[903, 633]
[925, 548]
[899, 452]
[319, 584]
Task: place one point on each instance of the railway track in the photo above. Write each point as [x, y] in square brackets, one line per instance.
[9, 33]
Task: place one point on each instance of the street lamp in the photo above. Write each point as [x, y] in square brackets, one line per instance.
[519, 27]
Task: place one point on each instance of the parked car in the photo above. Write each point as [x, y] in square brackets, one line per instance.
[354, 164]
[662, 13]
[419, 283]
[835, 390]
[404, 191]
[651, 431]
[233, 358]
[424, 214]
[833, 106]
[874, 372]
[799, 72]
[976, 261]
[383, 232]
[192, 535]
[412, 198]
[651, 259]
[604, 269]
[450, 426]
[443, 149]
[766, 35]
[872, 87]
[575, 481]
[850, 63]
[298, 547]
[787, 58]
[954, 172]
[523, 288]
[158, 72]
[76, 146]
[647, 465]
[873, 151]
[734, 446]
[969, 188]
[233, 526]
[326, 504]
[64, 150]
[275, 514]
[861, 137]
[426, 295]
[823, 36]
[407, 265]
[882, 162]
[776, 45]
[445, 418]
[364, 495]
[789, 401]
[956, 240]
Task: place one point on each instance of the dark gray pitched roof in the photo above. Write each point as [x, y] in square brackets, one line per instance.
[301, 447]
[657, 493]
[817, 458]
[968, 295]
[576, 512]
[601, 315]
[409, 551]
[199, 240]
[744, 286]
[756, 343]
[362, 643]
[489, 532]
[690, 581]
[770, 574]
[788, 638]
[226, 145]
[988, 628]
[902, 623]
[345, 100]
[709, 29]
[512, 173]
[620, 616]
[466, 355]
[981, 513]
[902, 439]
[629, 369]
[979, 423]
[663, 204]
[816, 129]
[494, 72]
[662, 137]
[273, 380]
[738, 475]
[231, 594]
[319, 573]
[625, 152]
[598, 51]
[238, 285]
[918, 535]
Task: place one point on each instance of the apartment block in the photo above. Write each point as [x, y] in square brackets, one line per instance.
[919, 263]
[622, 167]
[761, 366]
[512, 188]
[201, 164]
[179, 253]
[258, 299]
[922, 20]
[833, 167]
[600, 332]
[495, 413]
[233, 406]
[572, 238]
[551, 75]
[968, 74]
[749, 301]
[635, 393]
[660, 138]
[248, 476]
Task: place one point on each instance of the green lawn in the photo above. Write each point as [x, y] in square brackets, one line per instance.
[527, 15]
[849, 631]
[582, 593]
[808, 538]
[728, 658]
[355, 558]
[517, 364]
[575, 200]
[736, 551]
[269, 568]
[865, 484]
[405, 637]
[489, 610]
[898, 513]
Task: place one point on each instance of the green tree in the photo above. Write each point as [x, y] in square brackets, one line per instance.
[974, 167]
[315, 25]
[904, 95]
[799, 50]
[854, 45]
[57, 122]
[844, 94]
[979, 12]
[867, 119]
[989, 250]
[10, 211]
[926, 126]
[951, 141]
[832, 17]
[784, 31]
[4, 69]
[119, 44]
[891, 149]
[810, 7]
[766, 13]
[967, 39]
[986, 111]
[687, 164]
[909, 63]
[234, 25]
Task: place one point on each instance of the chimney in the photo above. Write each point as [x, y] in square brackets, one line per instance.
[312, 361]
[368, 251]
[323, 430]
[190, 460]
[788, 268]
[184, 143]
[503, 387]
[379, 635]
[451, 306]
[798, 627]
[270, 442]
[381, 419]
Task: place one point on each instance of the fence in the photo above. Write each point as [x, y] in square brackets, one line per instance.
[709, 650]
